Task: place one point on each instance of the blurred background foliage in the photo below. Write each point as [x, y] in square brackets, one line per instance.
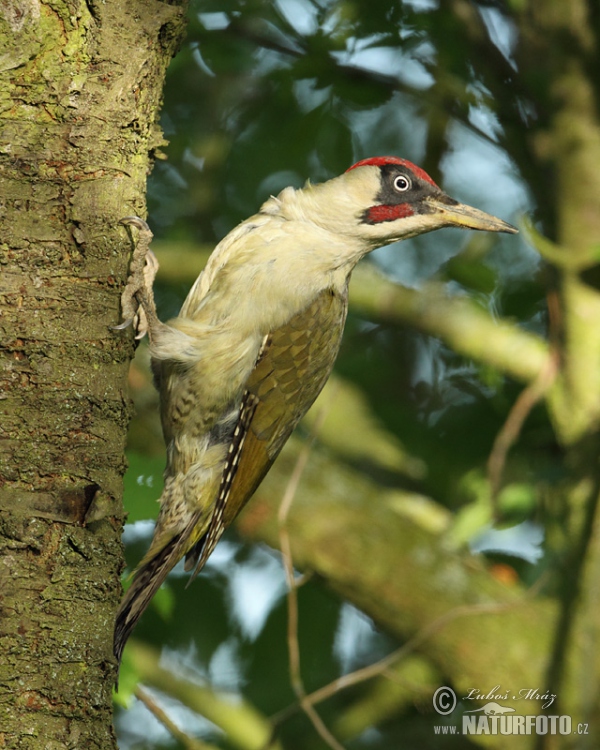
[495, 99]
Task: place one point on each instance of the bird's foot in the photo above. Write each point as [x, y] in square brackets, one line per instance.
[137, 299]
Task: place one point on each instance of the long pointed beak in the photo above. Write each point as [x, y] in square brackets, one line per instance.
[460, 215]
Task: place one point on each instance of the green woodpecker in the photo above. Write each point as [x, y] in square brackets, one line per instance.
[255, 342]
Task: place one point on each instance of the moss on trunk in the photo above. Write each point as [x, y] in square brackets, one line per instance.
[80, 91]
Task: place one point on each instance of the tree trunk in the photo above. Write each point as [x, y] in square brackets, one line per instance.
[80, 90]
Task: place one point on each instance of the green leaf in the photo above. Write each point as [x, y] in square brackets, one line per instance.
[517, 499]
[142, 487]
[128, 681]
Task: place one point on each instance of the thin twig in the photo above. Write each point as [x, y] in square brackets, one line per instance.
[191, 743]
[292, 595]
[510, 430]
[380, 667]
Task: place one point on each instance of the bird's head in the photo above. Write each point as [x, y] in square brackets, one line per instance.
[385, 199]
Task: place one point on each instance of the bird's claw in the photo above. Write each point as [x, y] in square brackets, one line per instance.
[137, 299]
[122, 326]
[136, 221]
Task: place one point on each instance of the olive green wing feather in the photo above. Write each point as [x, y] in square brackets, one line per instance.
[292, 368]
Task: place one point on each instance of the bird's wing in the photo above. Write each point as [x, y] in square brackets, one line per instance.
[292, 368]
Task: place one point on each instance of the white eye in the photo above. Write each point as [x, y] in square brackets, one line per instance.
[402, 183]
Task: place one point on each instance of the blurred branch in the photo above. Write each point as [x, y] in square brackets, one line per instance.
[245, 727]
[510, 430]
[572, 586]
[353, 431]
[369, 545]
[292, 597]
[190, 743]
[559, 256]
[401, 686]
[389, 664]
[557, 42]
[457, 321]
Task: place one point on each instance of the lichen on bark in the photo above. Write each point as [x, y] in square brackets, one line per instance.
[80, 91]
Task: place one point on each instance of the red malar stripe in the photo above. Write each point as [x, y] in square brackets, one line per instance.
[377, 214]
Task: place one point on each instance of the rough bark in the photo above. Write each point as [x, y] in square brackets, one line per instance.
[80, 88]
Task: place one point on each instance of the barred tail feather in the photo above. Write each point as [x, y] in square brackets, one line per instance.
[147, 580]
